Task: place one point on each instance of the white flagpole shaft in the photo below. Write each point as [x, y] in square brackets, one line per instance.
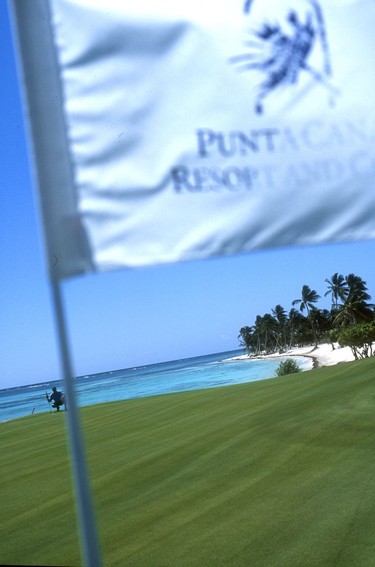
[43, 103]
[85, 509]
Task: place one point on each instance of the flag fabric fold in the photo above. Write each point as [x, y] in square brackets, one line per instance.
[181, 131]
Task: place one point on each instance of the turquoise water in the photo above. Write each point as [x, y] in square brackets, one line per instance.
[208, 371]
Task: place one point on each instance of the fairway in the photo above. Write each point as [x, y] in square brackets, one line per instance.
[278, 473]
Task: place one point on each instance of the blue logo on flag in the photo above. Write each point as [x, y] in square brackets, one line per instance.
[281, 52]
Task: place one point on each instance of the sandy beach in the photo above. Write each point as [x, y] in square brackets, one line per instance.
[323, 355]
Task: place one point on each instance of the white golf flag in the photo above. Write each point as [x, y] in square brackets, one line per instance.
[168, 131]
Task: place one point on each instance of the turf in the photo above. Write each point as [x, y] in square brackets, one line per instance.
[275, 473]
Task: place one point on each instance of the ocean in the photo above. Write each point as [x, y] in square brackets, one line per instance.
[209, 371]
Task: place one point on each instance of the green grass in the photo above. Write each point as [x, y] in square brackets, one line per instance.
[279, 473]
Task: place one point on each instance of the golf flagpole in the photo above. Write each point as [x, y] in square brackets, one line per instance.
[48, 402]
[85, 509]
[43, 95]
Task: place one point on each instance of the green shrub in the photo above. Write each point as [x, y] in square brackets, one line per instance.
[288, 366]
[359, 338]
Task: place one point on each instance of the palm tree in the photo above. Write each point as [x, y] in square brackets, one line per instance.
[246, 337]
[265, 333]
[281, 317]
[280, 314]
[271, 327]
[355, 309]
[308, 298]
[259, 334]
[323, 321]
[357, 288]
[295, 322]
[337, 288]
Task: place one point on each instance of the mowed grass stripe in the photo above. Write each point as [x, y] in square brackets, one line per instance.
[37, 504]
[274, 473]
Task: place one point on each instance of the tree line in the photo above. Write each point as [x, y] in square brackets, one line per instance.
[350, 321]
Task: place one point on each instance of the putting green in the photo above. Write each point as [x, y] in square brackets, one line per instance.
[274, 473]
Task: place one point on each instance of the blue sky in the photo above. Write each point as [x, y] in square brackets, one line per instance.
[131, 317]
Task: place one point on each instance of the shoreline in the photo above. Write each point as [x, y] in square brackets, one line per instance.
[309, 358]
[322, 355]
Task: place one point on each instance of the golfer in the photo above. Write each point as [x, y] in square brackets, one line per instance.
[57, 397]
